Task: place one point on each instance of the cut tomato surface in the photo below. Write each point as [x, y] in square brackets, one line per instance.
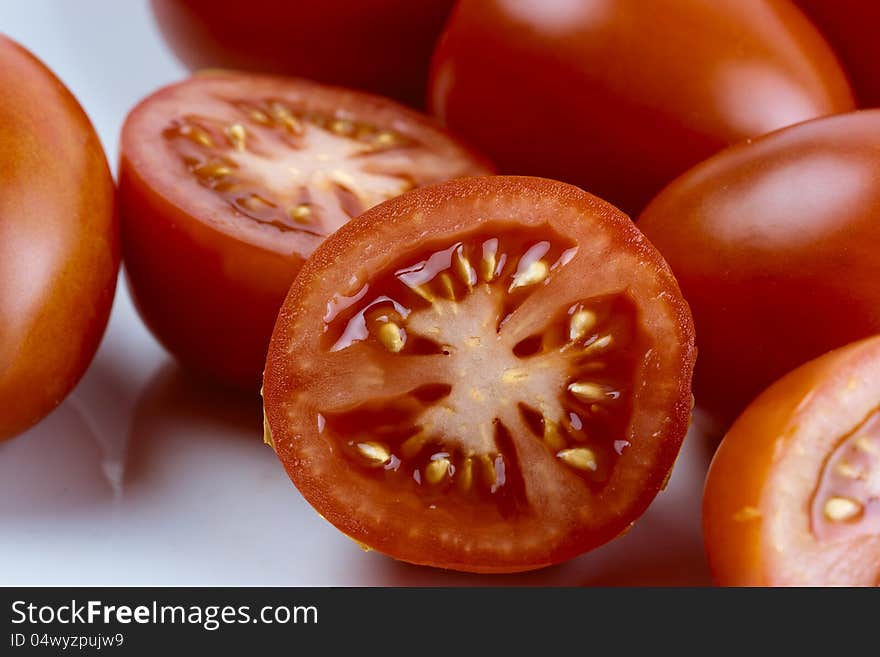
[491, 374]
[793, 493]
[229, 181]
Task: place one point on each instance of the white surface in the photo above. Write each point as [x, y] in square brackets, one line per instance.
[141, 477]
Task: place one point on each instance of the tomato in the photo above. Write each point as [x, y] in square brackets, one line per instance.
[59, 250]
[793, 493]
[490, 375]
[852, 26]
[775, 246]
[619, 99]
[383, 46]
[229, 181]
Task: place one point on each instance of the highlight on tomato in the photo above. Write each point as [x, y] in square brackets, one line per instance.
[491, 375]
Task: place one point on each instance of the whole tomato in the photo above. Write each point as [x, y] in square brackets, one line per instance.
[620, 96]
[383, 46]
[59, 240]
[852, 27]
[496, 368]
[775, 245]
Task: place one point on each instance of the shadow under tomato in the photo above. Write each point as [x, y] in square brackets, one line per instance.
[177, 411]
[73, 459]
[711, 429]
[664, 547]
[52, 470]
[217, 503]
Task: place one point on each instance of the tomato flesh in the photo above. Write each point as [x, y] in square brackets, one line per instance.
[488, 407]
[847, 500]
[230, 181]
[793, 493]
[444, 436]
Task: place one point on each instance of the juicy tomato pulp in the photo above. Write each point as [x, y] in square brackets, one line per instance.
[492, 374]
[851, 27]
[619, 99]
[229, 181]
[383, 46]
[793, 493]
[59, 241]
[774, 277]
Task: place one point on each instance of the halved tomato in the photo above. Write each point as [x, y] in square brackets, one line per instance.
[229, 181]
[491, 375]
[793, 493]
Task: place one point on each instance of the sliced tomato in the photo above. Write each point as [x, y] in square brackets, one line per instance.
[491, 375]
[793, 493]
[229, 181]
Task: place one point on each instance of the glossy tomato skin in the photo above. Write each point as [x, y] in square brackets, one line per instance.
[59, 251]
[402, 525]
[851, 27]
[618, 99]
[211, 300]
[763, 478]
[774, 244]
[206, 281]
[383, 46]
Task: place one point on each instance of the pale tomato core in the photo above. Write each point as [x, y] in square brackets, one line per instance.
[449, 429]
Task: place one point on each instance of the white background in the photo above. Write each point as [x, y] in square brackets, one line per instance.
[141, 477]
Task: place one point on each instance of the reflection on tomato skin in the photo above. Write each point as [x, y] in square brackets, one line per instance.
[775, 246]
[852, 26]
[619, 100]
[59, 251]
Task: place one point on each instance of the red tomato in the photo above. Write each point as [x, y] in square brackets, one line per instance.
[229, 181]
[619, 98]
[775, 245]
[793, 493]
[383, 46]
[852, 27]
[490, 375]
[59, 250]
